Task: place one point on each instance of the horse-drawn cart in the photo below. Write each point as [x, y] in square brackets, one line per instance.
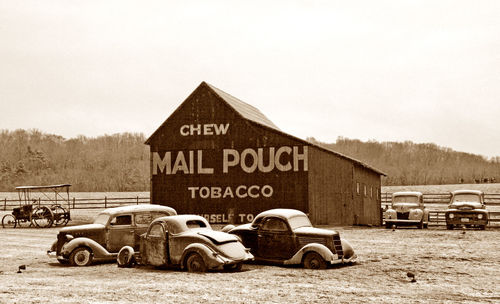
[51, 207]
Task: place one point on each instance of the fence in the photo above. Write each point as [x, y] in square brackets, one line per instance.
[82, 203]
[438, 202]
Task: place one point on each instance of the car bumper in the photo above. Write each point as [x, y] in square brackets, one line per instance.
[465, 221]
[351, 259]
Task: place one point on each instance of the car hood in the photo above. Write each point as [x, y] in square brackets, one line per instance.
[466, 206]
[79, 228]
[315, 231]
[218, 237]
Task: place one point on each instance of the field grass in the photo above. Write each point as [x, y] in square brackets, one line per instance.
[449, 267]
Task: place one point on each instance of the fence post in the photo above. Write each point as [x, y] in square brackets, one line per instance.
[105, 202]
[137, 200]
[73, 203]
[5, 204]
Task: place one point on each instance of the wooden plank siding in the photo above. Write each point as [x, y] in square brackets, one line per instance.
[366, 198]
[330, 188]
[290, 188]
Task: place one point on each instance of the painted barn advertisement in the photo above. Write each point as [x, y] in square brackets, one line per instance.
[230, 184]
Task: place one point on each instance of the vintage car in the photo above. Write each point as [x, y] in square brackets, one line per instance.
[186, 242]
[112, 229]
[286, 236]
[407, 209]
[467, 209]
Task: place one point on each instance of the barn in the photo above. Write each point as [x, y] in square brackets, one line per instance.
[221, 158]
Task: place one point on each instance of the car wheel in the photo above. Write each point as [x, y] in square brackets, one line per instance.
[81, 256]
[313, 260]
[426, 225]
[420, 225]
[195, 263]
[449, 227]
[482, 227]
[233, 267]
[125, 257]
[388, 225]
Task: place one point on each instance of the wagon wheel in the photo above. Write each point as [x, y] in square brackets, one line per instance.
[8, 221]
[60, 215]
[42, 217]
[24, 222]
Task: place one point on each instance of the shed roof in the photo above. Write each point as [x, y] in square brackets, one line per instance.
[253, 115]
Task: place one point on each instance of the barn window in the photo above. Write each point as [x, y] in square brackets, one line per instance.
[371, 191]
[357, 188]
[364, 190]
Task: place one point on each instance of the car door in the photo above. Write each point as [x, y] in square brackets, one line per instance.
[275, 239]
[155, 243]
[120, 233]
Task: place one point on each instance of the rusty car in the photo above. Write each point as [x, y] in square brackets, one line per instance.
[112, 229]
[186, 242]
[287, 237]
[467, 209]
[407, 209]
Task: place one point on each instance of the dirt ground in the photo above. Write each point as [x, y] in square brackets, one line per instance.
[449, 267]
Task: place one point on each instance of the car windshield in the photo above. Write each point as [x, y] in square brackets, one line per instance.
[408, 199]
[299, 221]
[466, 198]
[102, 219]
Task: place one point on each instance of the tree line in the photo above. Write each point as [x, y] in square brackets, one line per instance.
[408, 163]
[120, 162]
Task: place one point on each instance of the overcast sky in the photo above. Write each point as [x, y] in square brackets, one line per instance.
[424, 71]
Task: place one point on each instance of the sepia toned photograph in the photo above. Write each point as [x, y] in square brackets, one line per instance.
[250, 152]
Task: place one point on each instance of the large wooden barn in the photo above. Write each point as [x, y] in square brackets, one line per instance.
[223, 159]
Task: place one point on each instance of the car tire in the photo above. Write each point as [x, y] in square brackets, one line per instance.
[449, 226]
[314, 260]
[482, 227]
[233, 267]
[195, 263]
[420, 225]
[125, 257]
[426, 225]
[81, 256]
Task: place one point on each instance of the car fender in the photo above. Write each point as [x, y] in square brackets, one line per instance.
[211, 258]
[416, 214]
[426, 216]
[322, 250]
[390, 214]
[98, 251]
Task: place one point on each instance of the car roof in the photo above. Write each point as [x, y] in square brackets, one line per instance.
[477, 192]
[180, 218]
[281, 212]
[139, 208]
[407, 193]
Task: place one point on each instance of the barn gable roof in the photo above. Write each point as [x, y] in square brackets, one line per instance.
[253, 115]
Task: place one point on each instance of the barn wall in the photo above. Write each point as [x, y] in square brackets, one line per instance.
[194, 180]
[366, 202]
[330, 188]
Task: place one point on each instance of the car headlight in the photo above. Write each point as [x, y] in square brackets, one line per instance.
[451, 215]
[480, 216]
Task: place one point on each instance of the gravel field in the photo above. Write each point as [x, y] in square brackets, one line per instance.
[449, 267]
